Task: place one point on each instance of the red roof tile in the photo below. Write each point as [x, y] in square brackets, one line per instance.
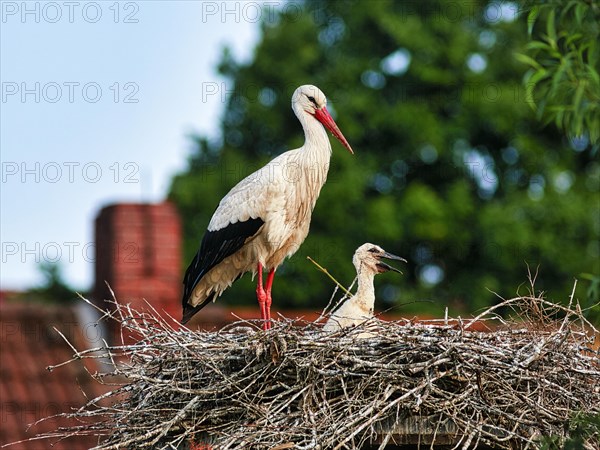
[28, 392]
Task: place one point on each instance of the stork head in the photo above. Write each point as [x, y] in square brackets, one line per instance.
[311, 100]
[369, 257]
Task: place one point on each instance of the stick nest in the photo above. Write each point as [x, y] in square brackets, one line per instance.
[298, 387]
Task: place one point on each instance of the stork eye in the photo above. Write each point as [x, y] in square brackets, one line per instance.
[374, 250]
[312, 99]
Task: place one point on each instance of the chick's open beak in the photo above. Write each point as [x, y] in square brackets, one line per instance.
[383, 267]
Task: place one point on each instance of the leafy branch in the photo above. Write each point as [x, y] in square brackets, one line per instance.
[563, 81]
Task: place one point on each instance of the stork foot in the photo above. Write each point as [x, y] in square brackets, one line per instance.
[263, 300]
[269, 299]
[268, 308]
[262, 303]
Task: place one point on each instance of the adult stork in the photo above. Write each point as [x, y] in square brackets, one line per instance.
[359, 307]
[266, 216]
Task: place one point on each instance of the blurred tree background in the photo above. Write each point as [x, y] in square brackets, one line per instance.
[563, 83]
[453, 168]
[53, 289]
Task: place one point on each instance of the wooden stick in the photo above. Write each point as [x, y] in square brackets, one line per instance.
[326, 272]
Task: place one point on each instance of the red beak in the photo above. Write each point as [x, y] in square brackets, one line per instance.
[323, 116]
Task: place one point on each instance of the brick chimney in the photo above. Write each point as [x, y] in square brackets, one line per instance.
[138, 252]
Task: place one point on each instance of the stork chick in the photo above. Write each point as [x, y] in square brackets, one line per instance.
[359, 307]
[265, 218]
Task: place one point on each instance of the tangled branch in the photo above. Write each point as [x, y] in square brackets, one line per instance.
[298, 387]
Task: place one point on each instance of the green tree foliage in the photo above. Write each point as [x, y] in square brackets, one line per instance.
[452, 169]
[564, 55]
[583, 428]
[54, 288]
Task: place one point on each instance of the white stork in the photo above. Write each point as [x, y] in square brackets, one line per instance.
[266, 216]
[359, 307]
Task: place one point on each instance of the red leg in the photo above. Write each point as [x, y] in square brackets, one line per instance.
[270, 278]
[261, 295]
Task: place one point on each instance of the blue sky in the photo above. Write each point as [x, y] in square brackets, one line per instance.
[98, 99]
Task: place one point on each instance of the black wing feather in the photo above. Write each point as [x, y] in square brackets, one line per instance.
[215, 247]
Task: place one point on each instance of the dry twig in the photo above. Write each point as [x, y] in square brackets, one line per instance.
[302, 388]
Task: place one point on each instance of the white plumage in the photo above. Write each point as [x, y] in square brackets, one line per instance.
[359, 307]
[266, 216]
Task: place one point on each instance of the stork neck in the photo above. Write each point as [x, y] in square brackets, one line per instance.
[315, 135]
[366, 290]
